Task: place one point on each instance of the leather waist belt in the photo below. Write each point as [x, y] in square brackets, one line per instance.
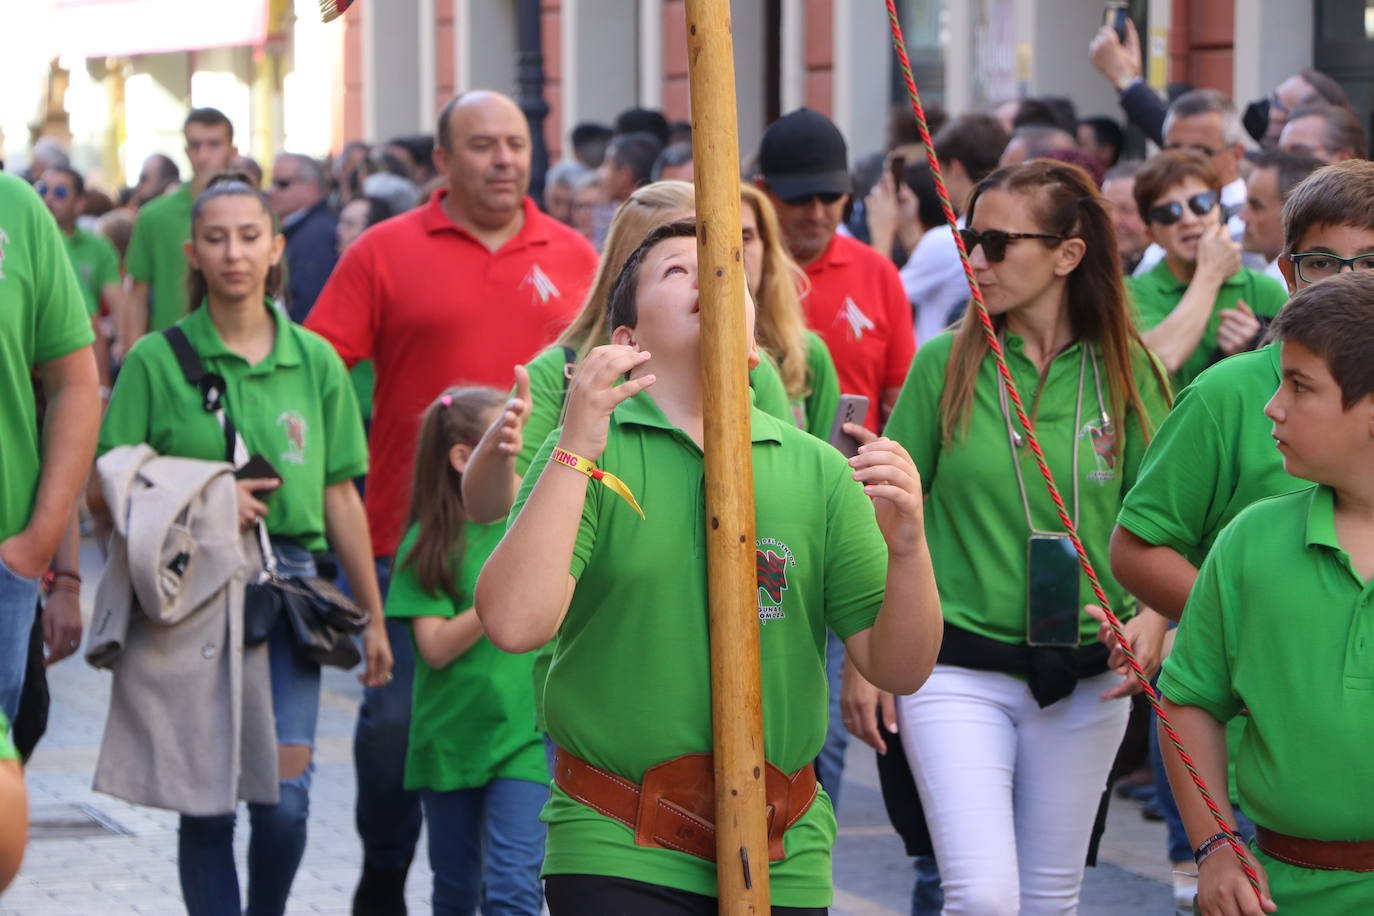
[675, 808]
[1326, 855]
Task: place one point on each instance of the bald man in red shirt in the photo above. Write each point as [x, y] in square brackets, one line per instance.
[458, 290]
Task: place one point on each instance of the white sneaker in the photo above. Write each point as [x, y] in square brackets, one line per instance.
[1185, 887]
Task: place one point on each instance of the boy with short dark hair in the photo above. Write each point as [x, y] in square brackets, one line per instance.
[1198, 304]
[1279, 623]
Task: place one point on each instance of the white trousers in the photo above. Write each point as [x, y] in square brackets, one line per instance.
[1010, 790]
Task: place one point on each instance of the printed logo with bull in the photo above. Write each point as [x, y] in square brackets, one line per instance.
[772, 560]
[295, 427]
[1102, 436]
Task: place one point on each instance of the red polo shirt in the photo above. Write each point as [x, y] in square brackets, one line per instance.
[432, 307]
[857, 305]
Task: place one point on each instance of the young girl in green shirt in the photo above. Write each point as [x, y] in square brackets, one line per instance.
[474, 753]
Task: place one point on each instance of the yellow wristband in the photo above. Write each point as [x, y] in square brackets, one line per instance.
[588, 467]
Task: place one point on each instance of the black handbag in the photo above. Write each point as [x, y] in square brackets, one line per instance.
[323, 619]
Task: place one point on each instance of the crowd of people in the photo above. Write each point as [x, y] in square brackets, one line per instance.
[481, 417]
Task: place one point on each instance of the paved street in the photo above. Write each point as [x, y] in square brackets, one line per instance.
[93, 854]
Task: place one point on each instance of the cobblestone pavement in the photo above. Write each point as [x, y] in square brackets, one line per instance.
[92, 854]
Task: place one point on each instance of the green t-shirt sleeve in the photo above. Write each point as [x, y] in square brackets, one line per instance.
[106, 267]
[547, 387]
[346, 442]
[1171, 502]
[1144, 307]
[855, 556]
[1199, 670]
[406, 597]
[915, 420]
[770, 395]
[128, 415]
[824, 398]
[586, 530]
[62, 323]
[1153, 385]
[1268, 294]
[138, 259]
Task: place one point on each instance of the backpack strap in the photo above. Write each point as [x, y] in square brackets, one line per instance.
[210, 384]
[569, 363]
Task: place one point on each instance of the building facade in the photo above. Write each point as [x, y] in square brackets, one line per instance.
[119, 74]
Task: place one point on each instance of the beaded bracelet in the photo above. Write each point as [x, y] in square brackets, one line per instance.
[1210, 845]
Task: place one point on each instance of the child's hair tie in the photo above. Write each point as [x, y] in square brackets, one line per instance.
[446, 400]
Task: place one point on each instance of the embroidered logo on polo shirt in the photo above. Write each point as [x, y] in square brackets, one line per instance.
[295, 427]
[852, 315]
[1102, 435]
[771, 560]
[543, 287]
[4, 240]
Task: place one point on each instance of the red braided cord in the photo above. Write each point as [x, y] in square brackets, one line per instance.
[1034, 444]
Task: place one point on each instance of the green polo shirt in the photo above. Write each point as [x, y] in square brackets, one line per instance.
[816, 412]
[1156, 293]
[1280, 622]
[1212, 457]
[295, 407]
[96, 264]
[42, 318]
[629, 683]
[975, 519]
[471, 721]
[156, 256]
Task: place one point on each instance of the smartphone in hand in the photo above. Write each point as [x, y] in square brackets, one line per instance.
[1115, 15]
[853, 408]
[258, 467]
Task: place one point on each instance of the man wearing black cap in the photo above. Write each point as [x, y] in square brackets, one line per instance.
[856, 302]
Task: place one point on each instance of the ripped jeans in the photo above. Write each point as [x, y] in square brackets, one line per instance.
[205, 845]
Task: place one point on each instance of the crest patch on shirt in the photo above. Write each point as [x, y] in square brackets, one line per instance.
[1102, 435]
[772, 558]
[295, 427]
[853, 316]
[544, 288]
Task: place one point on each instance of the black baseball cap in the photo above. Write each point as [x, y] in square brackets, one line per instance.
[804, 153]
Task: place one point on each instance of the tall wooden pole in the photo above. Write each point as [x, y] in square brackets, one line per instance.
[736, 693]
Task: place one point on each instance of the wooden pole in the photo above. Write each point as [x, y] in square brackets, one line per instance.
[736, 693]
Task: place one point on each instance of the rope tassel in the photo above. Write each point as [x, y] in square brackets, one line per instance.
[1113, 621]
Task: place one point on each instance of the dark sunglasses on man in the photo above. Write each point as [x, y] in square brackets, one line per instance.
[59, 191]
[804, 200]
[995, 241]
[1170, 213]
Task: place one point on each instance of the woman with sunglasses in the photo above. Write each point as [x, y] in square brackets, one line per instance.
[1011, 739]
[1198, 304]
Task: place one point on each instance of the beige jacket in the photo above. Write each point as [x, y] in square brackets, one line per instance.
[190, 726]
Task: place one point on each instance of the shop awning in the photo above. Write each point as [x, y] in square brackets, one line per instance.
[125, 28]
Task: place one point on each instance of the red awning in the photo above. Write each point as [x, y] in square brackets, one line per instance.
[124, 28]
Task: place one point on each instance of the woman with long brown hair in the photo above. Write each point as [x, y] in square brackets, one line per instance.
[288, 395]
[1011, 740]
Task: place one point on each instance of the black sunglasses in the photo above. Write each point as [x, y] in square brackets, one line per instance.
[825, 197]
[995, 241]
[1168, 214]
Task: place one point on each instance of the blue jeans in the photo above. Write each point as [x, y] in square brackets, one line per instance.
[205, 845]
[830, 761]
[486, 846]
[18, 605]
[386, 813]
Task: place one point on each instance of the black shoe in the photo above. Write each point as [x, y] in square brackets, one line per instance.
[381, 892]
